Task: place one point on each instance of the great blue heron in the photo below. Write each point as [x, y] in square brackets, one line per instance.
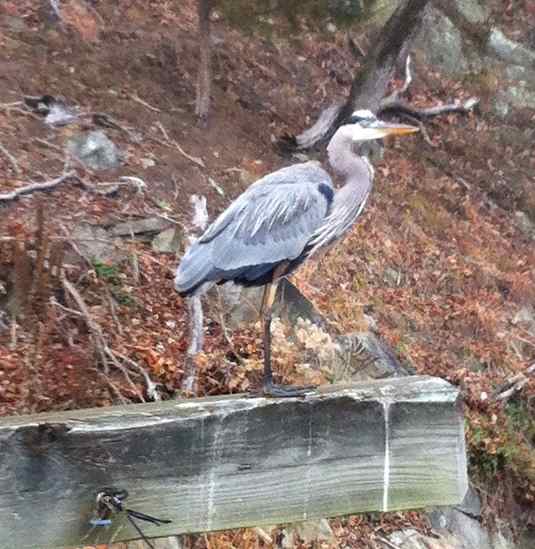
[281, 220]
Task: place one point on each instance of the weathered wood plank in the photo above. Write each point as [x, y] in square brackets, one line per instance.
[227, 462]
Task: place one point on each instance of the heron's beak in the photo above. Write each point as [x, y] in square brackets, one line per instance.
[380, 129]
[397, 129]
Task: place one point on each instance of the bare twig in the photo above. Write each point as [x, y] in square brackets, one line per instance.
[48, 144]
[54, 4]
[172, 143]
[152, 391]
[13, 335]
[11, 158]
[266, 538]
[386, 542]
[113, 387]
[55, 303]
[420, 124]
[354, 47]
[394, 97]
[33, 187]
[14, 107]
[106, 354]
[138, 99]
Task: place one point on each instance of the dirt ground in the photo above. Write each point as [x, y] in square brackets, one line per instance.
[444, 220]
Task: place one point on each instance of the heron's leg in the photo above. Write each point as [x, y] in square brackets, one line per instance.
[269, 388]
[270, 291]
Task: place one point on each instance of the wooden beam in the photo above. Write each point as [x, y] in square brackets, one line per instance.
[227, 462]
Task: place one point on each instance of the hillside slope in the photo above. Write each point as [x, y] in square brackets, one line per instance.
[443, 258]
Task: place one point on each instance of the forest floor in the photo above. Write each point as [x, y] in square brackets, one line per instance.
[442, 258]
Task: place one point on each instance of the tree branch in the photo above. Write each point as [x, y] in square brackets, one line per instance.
[370, 85]
[33, 187]
[428, 112]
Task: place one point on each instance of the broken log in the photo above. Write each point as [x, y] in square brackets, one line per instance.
[227, 462]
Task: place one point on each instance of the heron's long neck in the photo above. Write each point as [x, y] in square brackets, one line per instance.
[350, 199]
[356, 170]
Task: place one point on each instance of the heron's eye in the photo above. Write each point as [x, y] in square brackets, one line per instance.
[361, 120]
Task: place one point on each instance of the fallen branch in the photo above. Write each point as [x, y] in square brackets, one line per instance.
[394, 104]
[107, 355]
[195, 312]
[513, 385]
[33, 187]
[401, 107]
[109, 187]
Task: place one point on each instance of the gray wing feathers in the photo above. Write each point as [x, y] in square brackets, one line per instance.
[275, 226]
[272, 221]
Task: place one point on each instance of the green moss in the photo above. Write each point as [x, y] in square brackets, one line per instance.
[106, 271]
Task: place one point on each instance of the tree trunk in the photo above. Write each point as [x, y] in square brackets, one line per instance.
[370, 85]
[204, 79]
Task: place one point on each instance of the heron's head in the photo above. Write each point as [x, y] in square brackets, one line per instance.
[363, 125]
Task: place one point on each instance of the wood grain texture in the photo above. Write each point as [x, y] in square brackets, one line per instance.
[226, 462]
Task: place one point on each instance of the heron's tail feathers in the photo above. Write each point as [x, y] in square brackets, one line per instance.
[194, 270]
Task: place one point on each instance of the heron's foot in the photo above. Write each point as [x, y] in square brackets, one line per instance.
[270, 389]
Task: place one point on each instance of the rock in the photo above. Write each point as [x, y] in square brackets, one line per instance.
[312, 531]
[476, 11]
[331, 27]
[440, 44]
[95, 244]
[291, 305]
[526, 317]
[527, 539]
[411, 539]
[357, 356]
[95, 150]
[147, 163]
[471, 504]
[462, 523]
[168, 241]
[140, 226]
[242, 305]
[509, 51]
[59, 114]
[392, 277]
[13, 23]
[363, 356]
[519, 96]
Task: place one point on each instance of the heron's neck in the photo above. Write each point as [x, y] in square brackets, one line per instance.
[355, 169]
